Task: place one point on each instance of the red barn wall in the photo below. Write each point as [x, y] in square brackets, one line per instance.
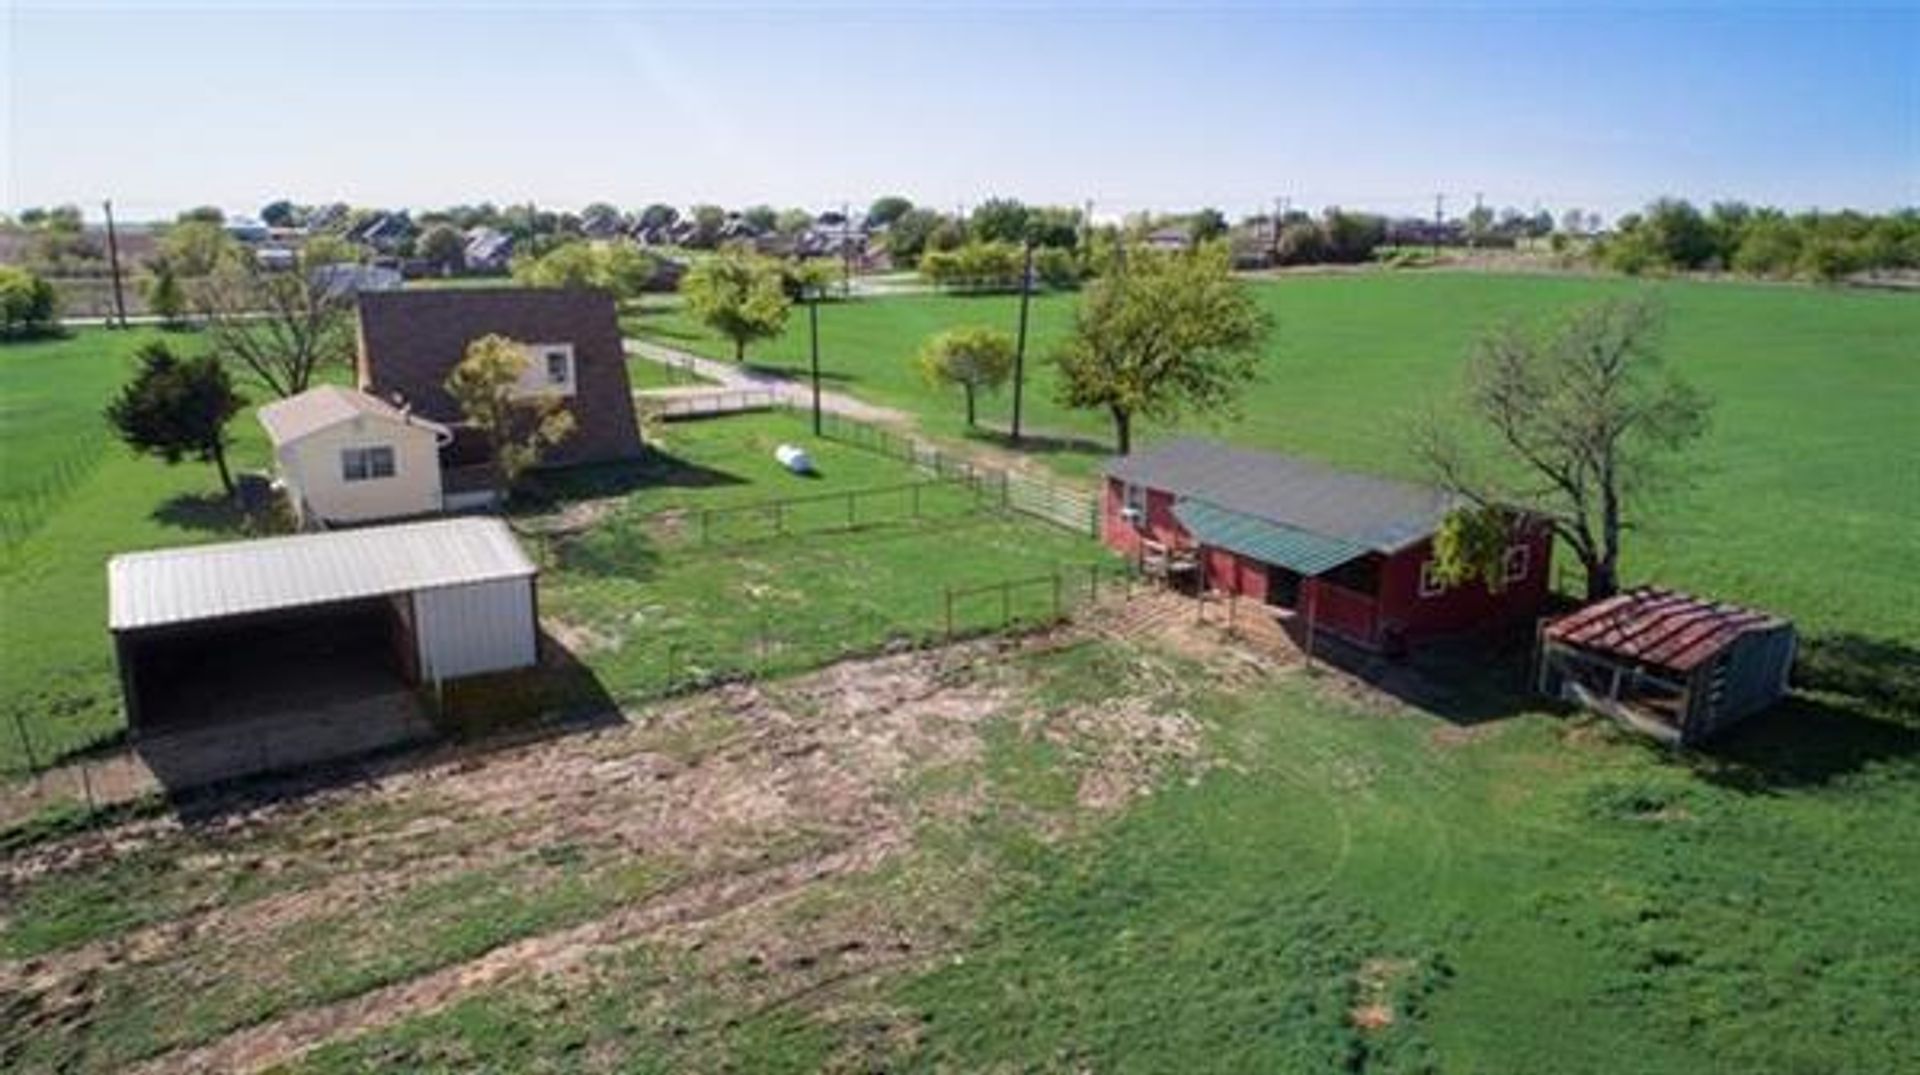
[1408, 615]
[1124, 536]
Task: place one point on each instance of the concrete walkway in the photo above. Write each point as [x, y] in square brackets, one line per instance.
[731, 377]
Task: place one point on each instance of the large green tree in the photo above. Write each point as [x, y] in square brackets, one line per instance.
[442, 247]
[973, 357]
[740, 296]
[177, 409]
[1584, 420]
[1161, 334]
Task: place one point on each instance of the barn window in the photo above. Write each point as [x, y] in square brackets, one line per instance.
[1431, 584]
[1515, 563]
[1134, 499]
[366, 464]
[559, 367]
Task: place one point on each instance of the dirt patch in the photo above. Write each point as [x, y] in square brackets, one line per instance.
[1373, 987]
[751, 797]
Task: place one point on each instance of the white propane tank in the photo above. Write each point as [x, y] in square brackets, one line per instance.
[794, 458]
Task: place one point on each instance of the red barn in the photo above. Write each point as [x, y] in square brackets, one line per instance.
[1349, 553]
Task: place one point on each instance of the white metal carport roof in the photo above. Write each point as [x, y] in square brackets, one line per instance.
[204, 582]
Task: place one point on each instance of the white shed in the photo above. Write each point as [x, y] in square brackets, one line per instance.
[281, 627]
[347, 457]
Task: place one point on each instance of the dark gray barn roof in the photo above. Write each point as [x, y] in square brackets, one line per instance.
[1379, 513]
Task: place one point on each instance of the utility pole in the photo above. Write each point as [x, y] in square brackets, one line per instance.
[113, 255]
[1273, 246]
[1473, 236]
[1020, 341]
[813, 327]
[1439, 221]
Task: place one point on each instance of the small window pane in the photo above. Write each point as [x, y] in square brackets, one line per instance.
[353, 464]
[557, 371]
[380, 462]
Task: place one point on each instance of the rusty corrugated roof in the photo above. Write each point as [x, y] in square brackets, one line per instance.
[1660, 627]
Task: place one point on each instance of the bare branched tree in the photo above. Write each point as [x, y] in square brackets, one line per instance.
[1584, 419]
[281, 326]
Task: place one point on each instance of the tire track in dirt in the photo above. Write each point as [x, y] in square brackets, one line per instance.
[288, 1037]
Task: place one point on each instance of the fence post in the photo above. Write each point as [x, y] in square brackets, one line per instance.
[1093, 582]
[86, 786]
[949, 613]
[1006, 604]
[779, 517]
[1056, 594]
[916, 501]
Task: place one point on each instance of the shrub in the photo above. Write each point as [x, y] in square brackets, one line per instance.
[28, 305]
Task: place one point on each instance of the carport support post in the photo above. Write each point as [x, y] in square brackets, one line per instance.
[1313, 607]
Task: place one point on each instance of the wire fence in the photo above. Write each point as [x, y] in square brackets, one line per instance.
[1064, 506]
[850, 509]
[24, 511]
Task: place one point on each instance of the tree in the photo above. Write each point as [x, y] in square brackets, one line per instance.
[999, 220]
[202, 214]
[738, 295]
[761, 218]
[196, 248]
[282, 327]
[443, 248]
[164, 296]
[1585, 418]
[519, 426]
[1160, 333]
[280, 213]
[618, 266]
[1207, 224]
[974, 357]
[887, 209]
[707, 222]
[28, 304]
[793, 221]
[908, 235]
[659, 215]
[178, 409]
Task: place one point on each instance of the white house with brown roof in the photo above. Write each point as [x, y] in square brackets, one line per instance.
[348, 457]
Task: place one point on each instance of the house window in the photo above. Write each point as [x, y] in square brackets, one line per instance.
[1133, 500]
[1431, 585]
[559, 367]
[1514, 564]
[366, 464]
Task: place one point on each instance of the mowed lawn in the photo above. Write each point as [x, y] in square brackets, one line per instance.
[1804, 497]
[749, 600]
[77, 496]
[713, 561]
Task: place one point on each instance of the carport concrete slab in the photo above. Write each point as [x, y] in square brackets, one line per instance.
[227, 750]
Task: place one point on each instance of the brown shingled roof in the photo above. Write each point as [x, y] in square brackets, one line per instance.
[411, 339]
[1659, 627]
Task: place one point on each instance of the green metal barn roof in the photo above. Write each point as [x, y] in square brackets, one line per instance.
[1271, 543]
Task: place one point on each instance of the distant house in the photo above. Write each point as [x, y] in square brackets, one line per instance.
[1172, 238]
[349, 278]
[344, 456]
[1671, 665]
[411, 340]
[1349, 554]
[488, 250]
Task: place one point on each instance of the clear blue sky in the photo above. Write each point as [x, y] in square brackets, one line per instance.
[1600, 107]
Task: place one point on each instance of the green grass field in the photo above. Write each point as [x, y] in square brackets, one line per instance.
[1805, 495]
[80, 497]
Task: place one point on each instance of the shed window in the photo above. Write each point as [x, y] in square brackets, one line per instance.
[559, 367]
[1431, 585]
[1514, 565]
[366, 464]
[1134, 500]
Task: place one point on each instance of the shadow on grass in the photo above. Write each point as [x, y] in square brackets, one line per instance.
[1467, 680]
[799, 372]
[1856, 703]
[212, 513]
[475, 717]
[1043, 444]
[655, 470]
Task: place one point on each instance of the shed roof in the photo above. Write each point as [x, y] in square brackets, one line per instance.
[1270, 543]
[1377, 513]
[1659, 627]
[329, 405]
[204, 582]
